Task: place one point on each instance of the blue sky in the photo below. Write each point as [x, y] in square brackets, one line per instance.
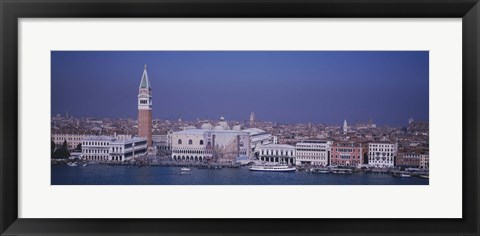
[281, 86]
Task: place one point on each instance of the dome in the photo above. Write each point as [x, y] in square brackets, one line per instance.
[191, 127]
[219, 127]
[223, 123]
[237, 127]
[206, 126]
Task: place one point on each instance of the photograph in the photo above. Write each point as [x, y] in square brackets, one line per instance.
[239, 118]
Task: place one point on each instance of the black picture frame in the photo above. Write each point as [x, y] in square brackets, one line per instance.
[11, 11]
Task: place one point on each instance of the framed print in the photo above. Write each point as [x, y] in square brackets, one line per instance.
[279, 117]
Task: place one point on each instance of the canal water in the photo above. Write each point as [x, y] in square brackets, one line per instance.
[63, 174]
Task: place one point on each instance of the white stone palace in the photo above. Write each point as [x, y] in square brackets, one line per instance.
[218, 145]
[382, 154]
[106, 148]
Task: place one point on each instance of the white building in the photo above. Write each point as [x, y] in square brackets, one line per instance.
[105, 148]
[424, 162]
[313, 152]
[210, 145]
[382, 154]
[279, 153]
[258, 138]
[74, 139]
[190, 145]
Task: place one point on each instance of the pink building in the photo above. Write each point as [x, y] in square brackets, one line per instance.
[348, 153]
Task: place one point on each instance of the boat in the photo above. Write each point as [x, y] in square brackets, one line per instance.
[273, 168]
[72, 164]
[185, 171]
[320, 171]
[342, 171]
[424, 176]
[85, 164]
[405, 175]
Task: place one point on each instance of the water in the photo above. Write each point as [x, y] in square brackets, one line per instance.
[62, 174]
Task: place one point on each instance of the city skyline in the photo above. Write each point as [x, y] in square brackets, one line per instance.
[282, 87]
[244, 121]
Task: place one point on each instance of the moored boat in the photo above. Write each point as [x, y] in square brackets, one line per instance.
[272, 168]
[341, 171]
[424, 176]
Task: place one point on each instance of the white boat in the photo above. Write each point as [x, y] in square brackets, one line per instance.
[85, 164]
[405, 175]
[72, 164]
[274, 168]
[424, 176]
[185, 171]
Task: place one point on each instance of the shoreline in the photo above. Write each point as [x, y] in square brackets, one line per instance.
[216, 166]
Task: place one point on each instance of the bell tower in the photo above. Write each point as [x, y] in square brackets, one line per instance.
[145, 109]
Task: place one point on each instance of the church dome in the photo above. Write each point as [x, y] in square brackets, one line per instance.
[237, 127]
[219, 127]
[223, 123]
[206, 126]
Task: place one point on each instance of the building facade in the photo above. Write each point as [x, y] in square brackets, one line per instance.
[145, 108]
[313, 152]
[348, 154]
[72, 140]
[382, 154]
[278, 153]
[105, 148]
[190, 145]
[258, 138]
[163, 143]
[200, 145]
[408, 160]
[424, 162]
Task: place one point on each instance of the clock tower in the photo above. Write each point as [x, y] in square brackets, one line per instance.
[145, 109]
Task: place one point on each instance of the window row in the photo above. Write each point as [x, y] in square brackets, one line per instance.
[190, 142]
[276, 152]
[95, 143]
[95, 151]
